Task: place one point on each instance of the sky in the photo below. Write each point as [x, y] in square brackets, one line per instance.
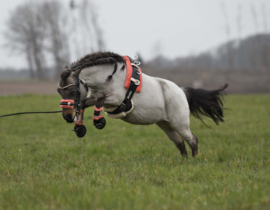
[172, 28]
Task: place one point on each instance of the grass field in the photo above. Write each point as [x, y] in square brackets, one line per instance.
[43, 165]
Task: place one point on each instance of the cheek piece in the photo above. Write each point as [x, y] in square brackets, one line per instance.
[99, 121]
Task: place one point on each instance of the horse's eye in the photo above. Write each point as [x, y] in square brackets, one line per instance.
[73, 92]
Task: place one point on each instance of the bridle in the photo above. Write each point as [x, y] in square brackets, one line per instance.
[79, 128]
[69, 103]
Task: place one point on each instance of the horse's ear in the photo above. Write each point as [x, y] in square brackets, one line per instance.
[77, 72]
[65, 74]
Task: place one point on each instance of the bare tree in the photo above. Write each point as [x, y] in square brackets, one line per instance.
[30, 61]
[25, 34]
[228, 34]
[265, 22]
[266, 54]
[256, 44]
[86, 29]
[239, 31]
[46, 29]
[97, 30]
[56, 22]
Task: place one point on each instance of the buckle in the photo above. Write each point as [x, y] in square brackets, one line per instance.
[122, 106]
[136, 82]
[137, 63]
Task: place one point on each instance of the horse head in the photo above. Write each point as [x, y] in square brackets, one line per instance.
[72, 91]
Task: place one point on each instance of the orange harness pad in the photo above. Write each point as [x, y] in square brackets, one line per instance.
[129, 75]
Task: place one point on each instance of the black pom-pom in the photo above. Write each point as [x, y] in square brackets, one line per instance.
[80, 130]
[100, 124]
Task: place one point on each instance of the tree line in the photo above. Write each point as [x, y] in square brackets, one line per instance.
[251, 53]
[50, 33]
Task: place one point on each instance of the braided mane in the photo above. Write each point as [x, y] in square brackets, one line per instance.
[98, 58]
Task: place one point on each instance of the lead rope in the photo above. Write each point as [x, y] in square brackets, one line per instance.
[52, 112]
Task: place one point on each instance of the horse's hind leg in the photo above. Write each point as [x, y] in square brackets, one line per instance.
[195, 148]
[177, 113]
[174, 136]
[180, 123]
[190, 138]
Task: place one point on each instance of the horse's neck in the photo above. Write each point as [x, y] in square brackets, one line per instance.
[95, 78]
[84, 91]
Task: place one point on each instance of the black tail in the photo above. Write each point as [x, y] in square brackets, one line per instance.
[206, 102]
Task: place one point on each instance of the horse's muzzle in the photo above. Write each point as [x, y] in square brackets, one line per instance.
[67, 104]
[68, 118]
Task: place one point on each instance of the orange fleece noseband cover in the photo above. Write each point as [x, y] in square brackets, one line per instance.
[67, 103]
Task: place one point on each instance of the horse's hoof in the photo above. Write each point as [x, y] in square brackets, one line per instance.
[80, 130]
[100, 124]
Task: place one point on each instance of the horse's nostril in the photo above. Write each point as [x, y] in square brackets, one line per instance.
[68, 118]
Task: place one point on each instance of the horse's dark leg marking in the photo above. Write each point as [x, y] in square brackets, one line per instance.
[100, 102]
[194, 145]
[174, 136]
[166, 126]
[182, 149]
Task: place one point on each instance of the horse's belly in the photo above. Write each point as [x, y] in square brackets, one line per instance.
[140, 116]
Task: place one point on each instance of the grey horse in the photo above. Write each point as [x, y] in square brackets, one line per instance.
[160, 101]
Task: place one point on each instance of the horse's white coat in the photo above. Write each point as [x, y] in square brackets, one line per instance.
[160, 101]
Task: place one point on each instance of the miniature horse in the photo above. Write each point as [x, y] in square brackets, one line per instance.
[160, 101]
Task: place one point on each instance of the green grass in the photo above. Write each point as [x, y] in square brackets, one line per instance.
[43, 165]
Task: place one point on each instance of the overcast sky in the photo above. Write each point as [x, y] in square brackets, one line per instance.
[171, 27]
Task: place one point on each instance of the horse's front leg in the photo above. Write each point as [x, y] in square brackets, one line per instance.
[79, 128]
[110, 101]
[98, 120]
[89, 101]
